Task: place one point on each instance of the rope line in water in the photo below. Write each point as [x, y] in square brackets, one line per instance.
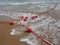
[29, 30]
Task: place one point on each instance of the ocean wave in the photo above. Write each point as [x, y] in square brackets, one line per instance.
[24, 3]
[19, 3]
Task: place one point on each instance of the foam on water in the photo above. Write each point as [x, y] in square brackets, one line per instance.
[44, 25]
[43, 5]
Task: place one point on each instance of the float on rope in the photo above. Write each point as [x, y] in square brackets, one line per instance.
[29, 30]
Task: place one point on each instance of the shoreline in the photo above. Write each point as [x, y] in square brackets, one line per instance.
[5, 29]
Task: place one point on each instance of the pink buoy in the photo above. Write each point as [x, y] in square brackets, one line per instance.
[24, 19]
[29, 29]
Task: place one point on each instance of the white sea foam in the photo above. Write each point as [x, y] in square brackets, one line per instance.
[47, 27]
[43, 25]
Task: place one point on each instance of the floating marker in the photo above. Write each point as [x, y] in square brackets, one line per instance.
[11, 23]
[26, 17]
[22, 17]
[29, 29]
[33, 17]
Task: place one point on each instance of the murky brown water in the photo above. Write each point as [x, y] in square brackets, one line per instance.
[6, 38]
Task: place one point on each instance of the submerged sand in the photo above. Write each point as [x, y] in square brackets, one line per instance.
[6, 38]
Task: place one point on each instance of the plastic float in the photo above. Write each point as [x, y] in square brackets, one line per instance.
[28, 28]
[25, 18]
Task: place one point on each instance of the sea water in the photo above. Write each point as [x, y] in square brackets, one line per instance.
[44, 25]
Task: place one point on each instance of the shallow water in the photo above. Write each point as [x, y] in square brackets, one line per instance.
[44, 25]
[6, 38]
[47, 25]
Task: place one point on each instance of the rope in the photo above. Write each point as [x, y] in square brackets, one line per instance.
[29, 30]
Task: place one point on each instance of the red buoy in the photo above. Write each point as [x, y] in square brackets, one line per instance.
[33, 17]
[26, 17]
[11, 23]
[21, 17]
